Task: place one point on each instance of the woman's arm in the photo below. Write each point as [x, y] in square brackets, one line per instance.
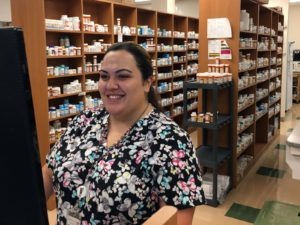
[47, 180]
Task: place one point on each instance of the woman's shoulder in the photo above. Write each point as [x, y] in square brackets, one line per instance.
[162, 123]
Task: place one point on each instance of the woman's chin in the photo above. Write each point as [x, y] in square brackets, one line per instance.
[113, 110]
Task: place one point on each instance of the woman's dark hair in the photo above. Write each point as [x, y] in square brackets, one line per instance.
[143, 62]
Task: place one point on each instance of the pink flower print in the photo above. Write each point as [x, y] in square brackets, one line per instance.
[181, 154]
[175, 161]
[84, 222]
[85, 120]
[191, 184]
[181, 164]
[67, 179]
[178, 155]
[154, 196]
[139, 157]
[106, 166]
[183, 185]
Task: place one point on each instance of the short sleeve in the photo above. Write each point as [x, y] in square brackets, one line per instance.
[57, 151]
[72, 137]
[178, 179]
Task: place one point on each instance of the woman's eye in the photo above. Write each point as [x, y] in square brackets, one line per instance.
[123, 76]
[104, 77]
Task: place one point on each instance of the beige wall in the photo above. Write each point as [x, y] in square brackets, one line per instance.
[5, 14]
[182, 7]
[187, 8]
[293, 26]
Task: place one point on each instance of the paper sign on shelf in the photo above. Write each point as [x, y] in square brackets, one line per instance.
[218, 49]
[214, 49]
[218, 28]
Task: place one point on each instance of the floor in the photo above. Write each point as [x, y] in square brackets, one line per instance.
[269, 179]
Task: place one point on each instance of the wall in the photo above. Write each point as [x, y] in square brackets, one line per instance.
[187, 8]
[182, 7]
[164, 6]
[5, 14]
[294, 18]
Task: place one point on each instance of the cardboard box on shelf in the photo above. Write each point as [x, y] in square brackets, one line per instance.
[125, 1]
[128, 1]
[263, 1]
[277, 9]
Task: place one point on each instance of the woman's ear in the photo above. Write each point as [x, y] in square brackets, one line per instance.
[148, 83]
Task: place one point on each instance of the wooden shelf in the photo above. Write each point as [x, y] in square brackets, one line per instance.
[97, 33]
[94, 53]
[63, 117]
[247, 70]
[64, 56]
[260, 116]
[63, 31]
[64, 95]
[245, 107]
[247, 32]
[245, 128]
[67, 75]
[244, 150]
[246, 87]
[262, 16]
[37, 37]
[249, 48]
[262, 97]
[273, 102]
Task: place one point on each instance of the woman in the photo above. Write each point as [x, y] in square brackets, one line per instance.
[119, 164]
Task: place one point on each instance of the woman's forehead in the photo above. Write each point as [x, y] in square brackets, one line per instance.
[116, 60]
[118, 56]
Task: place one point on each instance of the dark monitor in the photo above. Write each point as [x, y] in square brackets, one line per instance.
[296, 55]
[21, 189]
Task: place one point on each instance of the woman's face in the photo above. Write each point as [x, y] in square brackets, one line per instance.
[122, 89]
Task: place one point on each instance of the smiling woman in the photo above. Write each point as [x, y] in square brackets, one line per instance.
[122, 87]
[121, 163]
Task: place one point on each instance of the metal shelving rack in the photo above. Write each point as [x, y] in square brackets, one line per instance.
[212, 155]
[296, 86]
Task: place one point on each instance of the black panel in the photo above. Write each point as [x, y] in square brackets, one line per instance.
[296, 55]
[22, 193]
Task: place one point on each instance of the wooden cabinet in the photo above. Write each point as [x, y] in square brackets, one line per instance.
[256, 65]
[164, 60]
[65, 44]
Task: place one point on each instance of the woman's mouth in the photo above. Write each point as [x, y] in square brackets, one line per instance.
[113, 97]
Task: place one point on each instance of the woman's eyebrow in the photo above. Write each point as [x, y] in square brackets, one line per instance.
[103, 71]
[118, 71]
[122, 70]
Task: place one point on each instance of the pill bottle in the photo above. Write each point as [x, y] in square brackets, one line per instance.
[194, 116]
[201, 118]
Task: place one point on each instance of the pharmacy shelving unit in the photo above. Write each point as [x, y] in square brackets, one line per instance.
[160, 39]
[257, 84]
[212, 154]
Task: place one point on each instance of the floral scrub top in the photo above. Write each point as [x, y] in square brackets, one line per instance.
[122, 184]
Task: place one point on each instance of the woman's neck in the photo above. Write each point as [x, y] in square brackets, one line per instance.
[118, 126]
[129, 120]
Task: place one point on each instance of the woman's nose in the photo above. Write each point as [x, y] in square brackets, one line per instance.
[112, 83]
